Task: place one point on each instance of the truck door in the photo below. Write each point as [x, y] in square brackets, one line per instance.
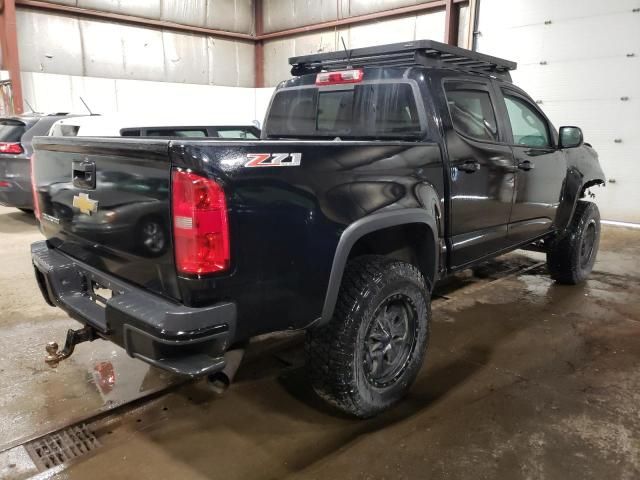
[540, 167]
[481, 170]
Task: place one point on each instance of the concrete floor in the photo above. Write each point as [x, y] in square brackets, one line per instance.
[524, 379]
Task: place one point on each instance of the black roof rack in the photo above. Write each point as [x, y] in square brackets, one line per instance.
[427, 53]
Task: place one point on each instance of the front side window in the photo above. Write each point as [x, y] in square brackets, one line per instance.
[374, 110]
[527, 125]
[472, 113]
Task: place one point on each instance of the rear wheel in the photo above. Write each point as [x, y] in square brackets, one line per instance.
[571, 257]
[366, 358]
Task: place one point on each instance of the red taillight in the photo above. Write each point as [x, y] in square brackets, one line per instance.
[345, 76]
[200, 224]
[4, 184]
[11, 147]
[34, 190]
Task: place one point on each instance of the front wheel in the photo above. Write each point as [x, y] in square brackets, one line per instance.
[366, 358]
[571, 257]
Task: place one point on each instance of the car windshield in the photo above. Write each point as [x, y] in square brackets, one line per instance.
[11, 130]
[373, 110]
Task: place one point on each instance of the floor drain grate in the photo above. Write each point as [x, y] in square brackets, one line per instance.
[62, 446]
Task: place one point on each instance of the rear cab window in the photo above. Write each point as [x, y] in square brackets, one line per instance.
[376, 109]
[11, 130]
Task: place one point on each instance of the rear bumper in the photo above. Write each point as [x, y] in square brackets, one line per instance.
[16, 194]
[16, 171]
[183, 340]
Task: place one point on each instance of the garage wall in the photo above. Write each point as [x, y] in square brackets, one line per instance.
[285, 14]
[580, 59]
[228, 15]
[104, 96]
[69, 45]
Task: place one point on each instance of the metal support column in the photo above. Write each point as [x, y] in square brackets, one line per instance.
[10, 58]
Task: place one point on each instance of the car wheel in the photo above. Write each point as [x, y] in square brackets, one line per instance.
[571, 257]
[368, 355]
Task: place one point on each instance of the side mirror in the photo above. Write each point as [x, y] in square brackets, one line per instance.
[570, 137]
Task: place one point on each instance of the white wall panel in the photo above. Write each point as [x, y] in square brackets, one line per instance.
[49, 43]
[412, 27]
[138, 8]
[277, 52]
[430, 26]
[188, 12]
[285, 14]
[573, 57]
[506, 14]
[183, 58]
[230, 15]
[63, 44]
[122, 51]
[231, 63]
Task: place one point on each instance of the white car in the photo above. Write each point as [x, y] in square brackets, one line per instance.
[117, 125]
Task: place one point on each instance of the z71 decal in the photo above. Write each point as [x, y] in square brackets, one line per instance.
[273, 160]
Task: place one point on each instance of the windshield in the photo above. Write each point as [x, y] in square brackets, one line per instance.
[373, 110]
[11, 130]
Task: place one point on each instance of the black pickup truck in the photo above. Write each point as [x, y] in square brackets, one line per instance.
[379, 172]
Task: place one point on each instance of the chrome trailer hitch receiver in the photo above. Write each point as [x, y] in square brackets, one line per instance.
[53, 358]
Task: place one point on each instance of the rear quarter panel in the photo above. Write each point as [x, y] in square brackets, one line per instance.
[286, 222]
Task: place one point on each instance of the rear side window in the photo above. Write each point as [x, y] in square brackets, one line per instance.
[244, 133]
[130, 132]
[472, 113]
[177, 132]
[375, 110]
[11, 130]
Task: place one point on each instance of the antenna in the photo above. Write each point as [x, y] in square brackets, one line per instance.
[348, 52]
[86, 106]
[29, 105]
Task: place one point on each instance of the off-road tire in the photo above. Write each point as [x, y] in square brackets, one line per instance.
[374, 290]
[570, 257]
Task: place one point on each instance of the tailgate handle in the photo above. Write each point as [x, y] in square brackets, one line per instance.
[84, 174]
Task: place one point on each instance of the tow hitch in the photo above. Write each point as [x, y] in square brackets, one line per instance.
[74, 337]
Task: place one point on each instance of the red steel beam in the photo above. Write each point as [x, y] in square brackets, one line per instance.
[395, 12]
[131, 19]
[451, 22]
[10, 58]
[259, 44]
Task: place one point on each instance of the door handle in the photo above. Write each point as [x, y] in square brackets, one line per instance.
[526, 165]
[469, 166]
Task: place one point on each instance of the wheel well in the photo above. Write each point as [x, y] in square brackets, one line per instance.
[589, 184]
[412, 243]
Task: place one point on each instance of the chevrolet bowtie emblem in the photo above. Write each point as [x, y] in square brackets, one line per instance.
[85, 204]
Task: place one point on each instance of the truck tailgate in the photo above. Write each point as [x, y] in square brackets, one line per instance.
[106, 202]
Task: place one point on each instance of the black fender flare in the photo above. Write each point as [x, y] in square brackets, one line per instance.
[573, 186]
[364, 226]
